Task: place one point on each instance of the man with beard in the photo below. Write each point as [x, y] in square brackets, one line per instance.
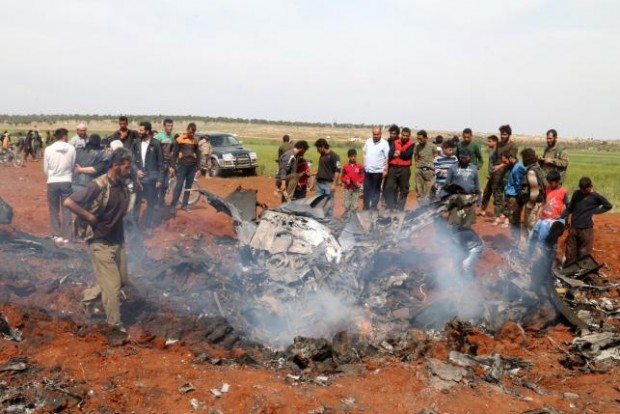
[376, 153]
[125, 135]
[474, 148]
[396, 185]
[80, 139]
[424, 154]
[499, 174]
[465, 175]
[149, 162]
[100, 209]
[555, 157]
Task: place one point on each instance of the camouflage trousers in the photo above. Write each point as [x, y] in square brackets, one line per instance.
[498, 184]
[531, 212]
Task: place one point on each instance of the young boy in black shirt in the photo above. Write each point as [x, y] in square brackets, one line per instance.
[583, 205]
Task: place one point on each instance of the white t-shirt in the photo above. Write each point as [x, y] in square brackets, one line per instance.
[375, 155]
[143, 147]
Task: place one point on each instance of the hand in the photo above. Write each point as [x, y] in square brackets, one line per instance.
[77, 169]
[397, 153]
[333, 188]
[92, 219]
[140, 174]
[172, 171]
[198, 174]
[158, 184]
[283, 186]
[498, 167]
[547, 160]
[384, 173]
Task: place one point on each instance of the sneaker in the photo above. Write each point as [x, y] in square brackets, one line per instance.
[497, 221]
[59, 240]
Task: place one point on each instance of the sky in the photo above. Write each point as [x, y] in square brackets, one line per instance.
[433, 64]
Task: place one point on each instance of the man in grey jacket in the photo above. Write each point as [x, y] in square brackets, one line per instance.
[58, 163]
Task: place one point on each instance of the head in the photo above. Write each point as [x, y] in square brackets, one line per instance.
[321, 145]
[467, 135]
[405, 134]
[492, 141]
[81, 130]
[552, 137]
[394, 132]
[422, 137]
[190, 131]
[61, 134]
[528, 156]
[554, 179]
[376, 134]
[512, 157]
[145, 129]
[448, 148]
[505, 132]
[504, 157]
[94, 142]
[286, 138]
[464, 157]
[123, 121]
[585, 185]
[439, 141]
[301, 147]
[168, 125]
[120, 164]
[352, 154]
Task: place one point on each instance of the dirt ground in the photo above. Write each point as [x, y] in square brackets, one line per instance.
[145, 374]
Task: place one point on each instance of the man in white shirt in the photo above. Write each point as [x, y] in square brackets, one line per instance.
[376, 152]
[58, 163]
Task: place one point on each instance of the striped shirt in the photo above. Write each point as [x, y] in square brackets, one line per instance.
[442, 165]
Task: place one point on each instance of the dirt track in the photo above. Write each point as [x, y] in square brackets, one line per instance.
[145, 375]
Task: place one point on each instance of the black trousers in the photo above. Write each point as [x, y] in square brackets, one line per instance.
[372, 190]
[396, 187]
[148, 193]
[57, 193]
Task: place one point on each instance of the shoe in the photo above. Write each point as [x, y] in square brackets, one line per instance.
[497, 221]
[59, 240]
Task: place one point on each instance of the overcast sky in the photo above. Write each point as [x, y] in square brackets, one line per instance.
[436, 64]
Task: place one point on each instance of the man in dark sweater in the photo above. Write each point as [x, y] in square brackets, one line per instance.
[149, 162]
[583, 205]
[328, 173]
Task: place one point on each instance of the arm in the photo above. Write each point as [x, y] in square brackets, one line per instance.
[604, 205]
[408, 153]
[175, 154]
[45, 163]
[159, 155]
[533, 184]
[479, 156]
[561, 162]
[199, 158]
[79, 211]
[569, 207]
[476, 183]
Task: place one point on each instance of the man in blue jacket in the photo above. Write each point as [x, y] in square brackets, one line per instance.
[512, 208]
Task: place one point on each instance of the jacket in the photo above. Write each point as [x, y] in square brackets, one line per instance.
[58, 162]
[406, 153]
[153, 164]
[186, 151]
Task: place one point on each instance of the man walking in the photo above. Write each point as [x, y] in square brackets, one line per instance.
[100, 209]
[474, 148]
[424, 154]
[58, 162]
[396, 185]
[149, 161]
[328, 173]
[376, 152]
[555, 157]
[166, 141]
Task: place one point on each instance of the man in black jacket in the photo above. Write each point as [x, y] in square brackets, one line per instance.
[149, 162]
[127, 136]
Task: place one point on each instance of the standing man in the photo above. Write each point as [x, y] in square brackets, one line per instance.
[80, 139]
[465, 175]
[286, 145]
[166, 141]
[474, 148]
[399, 171]
[58, 162]
[287, 177]
[513, 208]
[424, 154]
[328, 173]
[125, 135]
[206, 150]
[499, 176]
[100, 209]
[149, 161]
[555, 157]
[488, 188]
[376, 153]
[394, 135]
[186, 161]
[532, 193]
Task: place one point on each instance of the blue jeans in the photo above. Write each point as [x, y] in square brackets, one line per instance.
[185, 178]
[325, 188]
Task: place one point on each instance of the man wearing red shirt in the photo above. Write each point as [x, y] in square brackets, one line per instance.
[399, 171]
[352, 179]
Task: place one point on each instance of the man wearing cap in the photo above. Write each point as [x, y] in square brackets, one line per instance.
[465, 175]
[80, 139]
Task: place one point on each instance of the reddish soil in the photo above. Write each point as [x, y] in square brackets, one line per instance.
[144, 375]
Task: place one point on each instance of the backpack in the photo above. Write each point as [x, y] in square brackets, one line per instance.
[524, 190]
[81, 227]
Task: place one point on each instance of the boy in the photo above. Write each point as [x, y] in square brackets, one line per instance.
[583, 205]
[550, 226]
[443, 162]
[352, 179]
[488, 188]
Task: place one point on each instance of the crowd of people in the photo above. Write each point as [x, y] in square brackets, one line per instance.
[104, 182]
[527, 189]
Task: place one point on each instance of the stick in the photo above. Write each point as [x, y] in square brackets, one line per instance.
[219, 306]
